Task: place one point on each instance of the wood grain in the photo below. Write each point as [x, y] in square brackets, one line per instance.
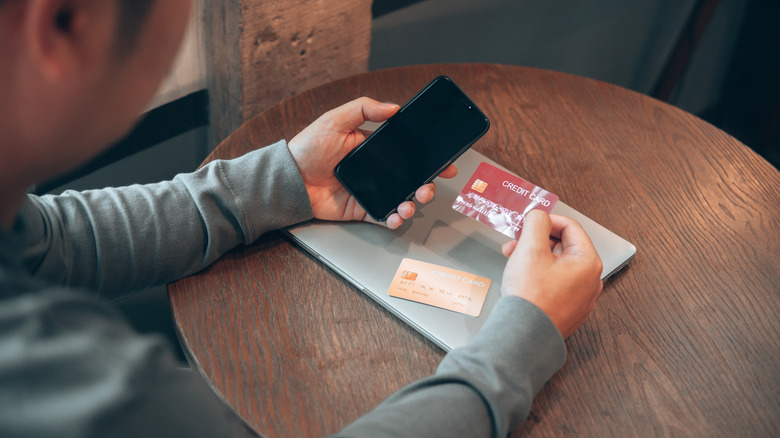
[684, 342]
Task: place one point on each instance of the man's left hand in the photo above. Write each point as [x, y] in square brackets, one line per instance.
[320, 146]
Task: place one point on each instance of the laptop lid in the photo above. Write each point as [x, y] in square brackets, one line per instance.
[368, 255]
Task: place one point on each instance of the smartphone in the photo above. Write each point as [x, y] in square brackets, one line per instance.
[411, 148]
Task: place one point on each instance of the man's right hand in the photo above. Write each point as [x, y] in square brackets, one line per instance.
[554, 266]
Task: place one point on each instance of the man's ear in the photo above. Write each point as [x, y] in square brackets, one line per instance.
[57, 35]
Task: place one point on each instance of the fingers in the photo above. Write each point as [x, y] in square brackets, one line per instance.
[536, 231]
[405, 211]
[574, 239]
[554, 266]
[575, 244]
[450, 172]
[425, 193]
[394, 221]
[561, 223]
[557, 248]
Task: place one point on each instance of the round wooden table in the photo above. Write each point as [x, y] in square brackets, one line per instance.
[685, 341]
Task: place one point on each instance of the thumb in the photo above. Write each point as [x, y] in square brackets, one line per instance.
[508, 248]
[375, 111]
[352, 114]
[536, 232]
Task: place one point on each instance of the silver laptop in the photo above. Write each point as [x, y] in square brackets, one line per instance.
[368, 255]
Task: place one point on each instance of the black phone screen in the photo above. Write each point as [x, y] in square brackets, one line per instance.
[412, 147]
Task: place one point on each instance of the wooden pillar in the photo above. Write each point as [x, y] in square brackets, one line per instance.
[259, 52]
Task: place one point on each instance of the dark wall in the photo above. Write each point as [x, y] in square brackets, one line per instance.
[728, 79]
[749, 108]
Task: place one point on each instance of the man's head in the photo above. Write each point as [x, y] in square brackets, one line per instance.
[132, 14]
[75, 75]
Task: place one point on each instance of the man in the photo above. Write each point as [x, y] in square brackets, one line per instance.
[73, 77]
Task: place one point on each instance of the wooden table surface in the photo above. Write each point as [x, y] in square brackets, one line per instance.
[683, 342]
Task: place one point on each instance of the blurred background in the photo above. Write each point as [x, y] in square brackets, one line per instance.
[717, 59]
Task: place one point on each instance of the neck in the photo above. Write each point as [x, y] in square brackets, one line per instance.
[14, 174]
[13, 182]
[10, 202]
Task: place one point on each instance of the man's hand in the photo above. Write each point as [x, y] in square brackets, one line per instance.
[320, 146]
[554, 266]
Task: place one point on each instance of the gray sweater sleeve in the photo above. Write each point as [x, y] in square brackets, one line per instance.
[483, 389]
[118, 240]
[68, 364]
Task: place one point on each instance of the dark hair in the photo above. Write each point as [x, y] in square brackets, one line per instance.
[132, 14]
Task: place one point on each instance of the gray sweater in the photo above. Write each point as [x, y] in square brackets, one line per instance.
[70, 366]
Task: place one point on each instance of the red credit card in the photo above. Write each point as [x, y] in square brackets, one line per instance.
[501, 200]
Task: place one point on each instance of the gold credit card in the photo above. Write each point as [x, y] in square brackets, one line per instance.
[440, 286]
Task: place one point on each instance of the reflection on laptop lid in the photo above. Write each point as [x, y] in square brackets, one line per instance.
[439, 235]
